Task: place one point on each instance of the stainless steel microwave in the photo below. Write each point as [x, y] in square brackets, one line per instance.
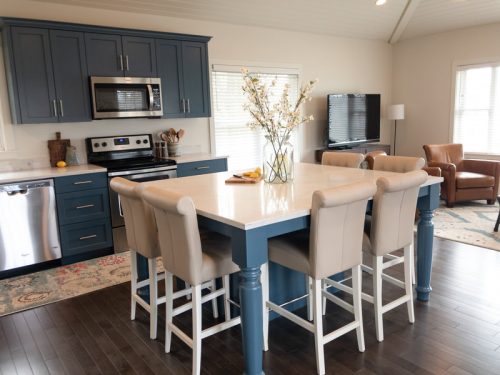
[120, 97]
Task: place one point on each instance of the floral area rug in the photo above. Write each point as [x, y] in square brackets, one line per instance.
[43, 287]
[469, 222]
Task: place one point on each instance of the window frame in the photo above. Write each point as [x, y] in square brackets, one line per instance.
[457, 66]
[235, 66]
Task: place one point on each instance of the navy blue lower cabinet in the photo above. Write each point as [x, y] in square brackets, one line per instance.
[83, 216]
[85, 237]
[201, 167]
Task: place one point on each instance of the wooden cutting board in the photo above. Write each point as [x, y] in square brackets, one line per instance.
[57, 149]
[245, 180]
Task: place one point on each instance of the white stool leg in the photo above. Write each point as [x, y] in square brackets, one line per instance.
[358, 314]
[325, 301]
[153, 298]
[227, 295]
[377, 296]
[169, 291]
[133, 283]
[196, 296]
[215, 308]
[318, 326]
[309, 298]
[408, 266]
[264, 279]
[412, 262]
[187, 286]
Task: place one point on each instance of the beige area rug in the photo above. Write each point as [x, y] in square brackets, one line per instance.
[43, 287]
[470, 222]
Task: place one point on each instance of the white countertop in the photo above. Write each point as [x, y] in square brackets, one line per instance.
[248, 206]
[188, 158]
[41, 173]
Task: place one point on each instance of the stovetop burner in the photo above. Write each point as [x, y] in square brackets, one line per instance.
[134, 163]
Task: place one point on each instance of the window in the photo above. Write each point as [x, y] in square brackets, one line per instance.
[477, 108]
[232, 135]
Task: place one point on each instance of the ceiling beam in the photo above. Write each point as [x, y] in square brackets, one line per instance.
[405, 18]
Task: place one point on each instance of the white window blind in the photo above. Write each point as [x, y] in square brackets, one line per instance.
[477, 108]
[232, 135]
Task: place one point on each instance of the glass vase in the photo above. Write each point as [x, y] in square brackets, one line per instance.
[278, 160]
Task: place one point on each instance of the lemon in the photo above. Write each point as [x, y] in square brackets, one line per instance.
[61, 164]
[258, 171]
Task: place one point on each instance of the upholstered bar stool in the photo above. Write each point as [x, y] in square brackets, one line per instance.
[399, 164]
[391, 229]
[332, 245]
[194, 260]
[342, 159]
[142, 238]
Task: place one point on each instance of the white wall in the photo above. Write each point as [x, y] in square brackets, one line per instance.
[341, 64]
[423, 77]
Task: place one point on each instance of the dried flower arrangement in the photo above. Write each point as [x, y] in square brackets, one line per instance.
[277, 120]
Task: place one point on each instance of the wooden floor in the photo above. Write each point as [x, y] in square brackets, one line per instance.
[457, 332]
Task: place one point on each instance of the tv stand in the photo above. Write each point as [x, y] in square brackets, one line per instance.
[362, 149]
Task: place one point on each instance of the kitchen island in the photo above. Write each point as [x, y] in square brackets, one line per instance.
[252, 213]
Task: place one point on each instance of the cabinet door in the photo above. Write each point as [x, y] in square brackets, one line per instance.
[70, 73]
[169, 68]
[34, 75]
[195, 79]
[139, 56]
[104, 55]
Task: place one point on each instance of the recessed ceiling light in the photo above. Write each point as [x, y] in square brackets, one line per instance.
[380, 2]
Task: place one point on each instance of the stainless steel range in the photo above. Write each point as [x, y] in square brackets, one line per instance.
[130, 157]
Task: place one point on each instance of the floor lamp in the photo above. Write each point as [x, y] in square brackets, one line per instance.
[396, 112]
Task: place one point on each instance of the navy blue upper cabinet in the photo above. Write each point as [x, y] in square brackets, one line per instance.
[196, 83]
[139, 55]
[112, 55]
[104, 55]
[50, 75]
[70, 74]
[183, 69]
[169, 67]
[35, 101]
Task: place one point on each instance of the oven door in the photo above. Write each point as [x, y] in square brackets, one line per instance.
[118, 97]
[150, 174]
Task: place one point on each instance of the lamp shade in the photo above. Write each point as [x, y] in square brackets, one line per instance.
[396, 112]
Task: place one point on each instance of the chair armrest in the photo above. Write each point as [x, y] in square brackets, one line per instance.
[432, 171]
[446, 168]
[487, 167]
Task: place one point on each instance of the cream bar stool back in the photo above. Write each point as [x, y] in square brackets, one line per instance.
[142, 238]
[400, 164]
[194, 260]
[342, 159]
[391, 229]
[332, 245]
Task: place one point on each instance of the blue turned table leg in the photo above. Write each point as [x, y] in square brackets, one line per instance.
[250, 252]
[425, 236]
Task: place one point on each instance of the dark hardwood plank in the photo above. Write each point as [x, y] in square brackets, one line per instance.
[457, 332]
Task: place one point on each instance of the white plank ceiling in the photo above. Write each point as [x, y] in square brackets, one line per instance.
[396, 20]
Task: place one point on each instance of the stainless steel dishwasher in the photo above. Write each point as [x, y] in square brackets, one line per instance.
[28, 224]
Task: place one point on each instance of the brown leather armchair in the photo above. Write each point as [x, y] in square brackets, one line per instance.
[464, 179]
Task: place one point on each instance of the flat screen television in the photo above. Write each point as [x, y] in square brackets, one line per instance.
[353, 119]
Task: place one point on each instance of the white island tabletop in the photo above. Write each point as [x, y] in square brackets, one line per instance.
[248, 206]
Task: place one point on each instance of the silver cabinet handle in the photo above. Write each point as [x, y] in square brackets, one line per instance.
[61, 109]
[82, 182]
[183, 105]
[88, 237]
[54, 105]
[84, 206]
[189, 106]
[126, 62]
[121, 62]
[203, 167]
